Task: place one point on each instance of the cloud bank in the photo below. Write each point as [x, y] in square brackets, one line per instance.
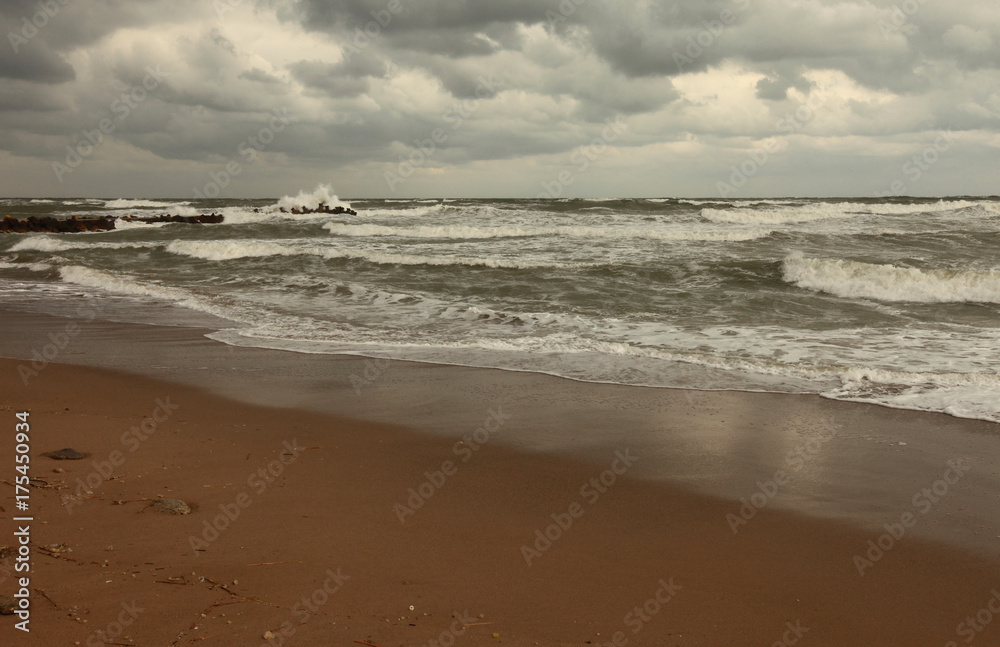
[742, 98]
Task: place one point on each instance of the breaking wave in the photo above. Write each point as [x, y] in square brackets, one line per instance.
[851, 279]
[227, 250]
[322, 194]
[125, 203]
[824, 211]
[466, 233]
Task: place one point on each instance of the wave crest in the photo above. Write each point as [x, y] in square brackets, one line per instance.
[231, 250]
[466, 233]
[126, 203]
[823, 211]
[851, 279]
[322, 194]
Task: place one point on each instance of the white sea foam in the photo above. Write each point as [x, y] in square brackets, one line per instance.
[117, 283]
[244, 216]
[125, 203]
[181, 210]
[823, 211]
[52, 245]
[40, 244]
[224, 250]
[852, 279]
[34, 267]
[413, 211]
[322, 194]
[789, 215]
[122, 225]
[466, 233]
[963, 395]
[230, 250]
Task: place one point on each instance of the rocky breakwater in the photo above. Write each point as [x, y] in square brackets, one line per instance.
[322, 208]
[36, 224]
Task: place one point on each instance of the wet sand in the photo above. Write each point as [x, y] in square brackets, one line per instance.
[299, 500]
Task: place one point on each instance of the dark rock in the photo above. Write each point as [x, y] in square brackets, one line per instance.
[7, 605]
[170, 506]
[67, 454]
[55, 225]
[322, 208]
[34, 224]
[213, 218]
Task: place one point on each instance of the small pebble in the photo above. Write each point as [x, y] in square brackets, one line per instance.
[170, 506]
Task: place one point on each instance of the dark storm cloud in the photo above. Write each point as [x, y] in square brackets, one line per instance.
[258, 75]
[328, 78]
[366, 79]
[421, 14]
[344, 79]
[34, 62]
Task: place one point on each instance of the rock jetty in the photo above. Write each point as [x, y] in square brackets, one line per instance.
[322, 208]
[33, 224]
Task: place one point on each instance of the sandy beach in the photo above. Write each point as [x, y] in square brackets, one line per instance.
[582, 323]
[474, 524]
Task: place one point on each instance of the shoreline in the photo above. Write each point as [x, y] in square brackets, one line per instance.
[854, 462]
[308, 538]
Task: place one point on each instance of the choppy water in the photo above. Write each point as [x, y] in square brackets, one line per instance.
[888, 301]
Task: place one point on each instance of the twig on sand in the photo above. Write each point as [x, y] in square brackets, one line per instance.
[476, 624]
[292, 561]
[46, 596]
[205, 613]
[364, 643]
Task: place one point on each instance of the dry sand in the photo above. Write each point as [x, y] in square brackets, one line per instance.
[327, 519]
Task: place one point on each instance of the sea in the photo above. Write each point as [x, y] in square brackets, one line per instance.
[891, 301]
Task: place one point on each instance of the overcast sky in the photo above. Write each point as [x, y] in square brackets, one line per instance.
[744, 98]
